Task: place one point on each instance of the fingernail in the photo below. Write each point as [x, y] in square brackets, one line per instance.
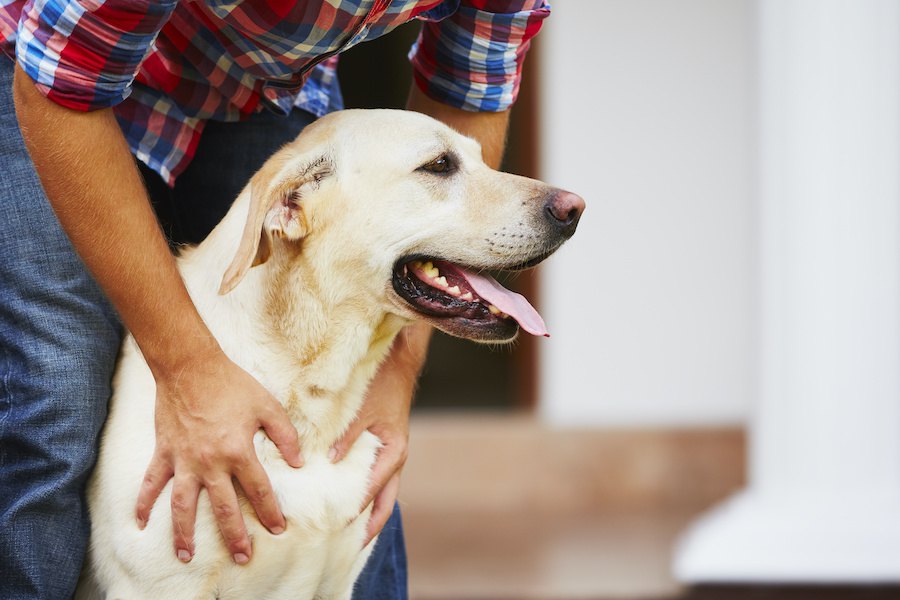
[184, 555]
[241, 558]
[332, 454]
[141, 523]
[296, 461]
[278, 530]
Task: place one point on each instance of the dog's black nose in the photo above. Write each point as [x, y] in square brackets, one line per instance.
[563, 210]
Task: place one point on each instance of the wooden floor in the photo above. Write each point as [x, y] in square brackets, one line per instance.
[517, 557]
[532, 557]
[500, 508]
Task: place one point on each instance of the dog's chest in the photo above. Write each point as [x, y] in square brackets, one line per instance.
[321, 496]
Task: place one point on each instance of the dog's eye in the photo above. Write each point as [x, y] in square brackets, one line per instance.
[441, 165]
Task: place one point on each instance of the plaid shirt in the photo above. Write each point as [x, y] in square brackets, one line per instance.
[167, 66]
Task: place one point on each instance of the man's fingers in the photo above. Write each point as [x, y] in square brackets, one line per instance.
[390, 459]
[382, 508]
[185, 490]
[158, 474]
[258, 489]
[282, 432]
[231, 521]
[343, 445]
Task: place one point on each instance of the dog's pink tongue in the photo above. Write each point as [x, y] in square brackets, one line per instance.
[513, 304]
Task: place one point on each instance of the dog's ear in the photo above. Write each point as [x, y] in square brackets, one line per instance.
[276, 210]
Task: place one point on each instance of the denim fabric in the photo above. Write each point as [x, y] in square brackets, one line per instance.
[384, 577]
[59, 337]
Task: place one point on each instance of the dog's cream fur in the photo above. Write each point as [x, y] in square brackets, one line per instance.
[325, 221]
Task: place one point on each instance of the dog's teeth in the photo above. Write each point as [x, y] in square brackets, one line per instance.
[416, 264]
[453, 291]
[441, 281]
[428, 267]
[468, 297]
[494, 310]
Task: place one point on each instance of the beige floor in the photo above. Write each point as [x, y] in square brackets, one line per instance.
[499, 508]
[527, 557]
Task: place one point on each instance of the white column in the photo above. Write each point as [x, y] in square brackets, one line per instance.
[823, 502]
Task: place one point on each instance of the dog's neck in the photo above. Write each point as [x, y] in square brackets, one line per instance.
[314, 350]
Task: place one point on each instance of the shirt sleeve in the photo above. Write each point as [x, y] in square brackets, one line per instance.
[471, 58]
[83, 54]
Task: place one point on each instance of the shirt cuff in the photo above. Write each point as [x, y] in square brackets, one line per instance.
[472, 59]
[84, 55]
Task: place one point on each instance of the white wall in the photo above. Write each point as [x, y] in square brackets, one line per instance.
[648, 109]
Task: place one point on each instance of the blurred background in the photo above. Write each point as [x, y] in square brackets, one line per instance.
[725, 319]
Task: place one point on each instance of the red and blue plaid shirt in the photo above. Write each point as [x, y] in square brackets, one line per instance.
[167, 66]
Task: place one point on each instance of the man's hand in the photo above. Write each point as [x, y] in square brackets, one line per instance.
[206, 416]
[385, 413]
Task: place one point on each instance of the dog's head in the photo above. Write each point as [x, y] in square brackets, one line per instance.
[400, 210]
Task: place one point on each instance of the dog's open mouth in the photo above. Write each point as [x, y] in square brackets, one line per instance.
[463, 302]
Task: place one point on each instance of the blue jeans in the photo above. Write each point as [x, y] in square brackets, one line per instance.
[59, 337]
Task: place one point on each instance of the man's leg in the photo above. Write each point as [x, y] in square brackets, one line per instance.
[227, 156]
[58, 341]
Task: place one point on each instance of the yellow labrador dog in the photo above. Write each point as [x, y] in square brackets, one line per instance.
[369, 220]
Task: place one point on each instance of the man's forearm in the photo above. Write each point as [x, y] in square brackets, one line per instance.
[95, 189]
[207, 408]
[489, 128]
